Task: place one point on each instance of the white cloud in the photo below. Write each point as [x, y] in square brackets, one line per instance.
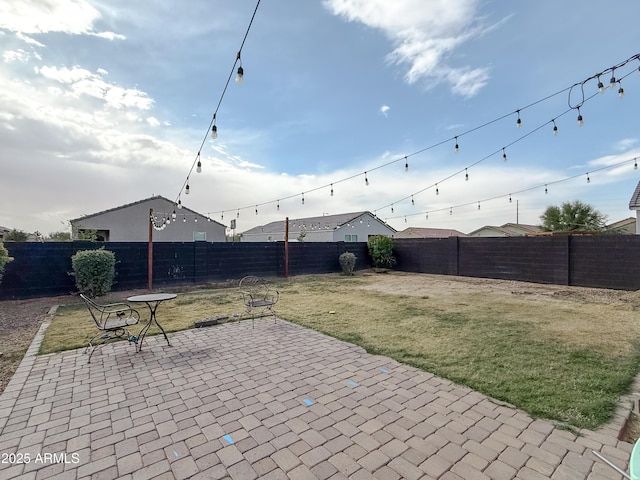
[74, 17]
[424, 34]
[29, 40]
[15, 56]
[83, 82]
[384, 109]
[625, 144]
[153, 121]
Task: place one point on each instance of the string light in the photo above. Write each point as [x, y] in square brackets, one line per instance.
[199, 168]
[366, 180]
[256, 209]
[580, 121]
[457, 147]
[546, 190]
[437, 191]
[214, 129]
[509, 198]
[173, 215]
[179, 204]
[450, 210]
[504, 155]
[392, 208]
[518, 121]
[588, 179]
[555, 127]
[238, 214]
[620, 90]
[413, 202]
[240, 73]
[332, 189]
[601, 87]
[456, 138]
[278, 205]
[406, 164]
[303, 198]
[186, 189]
[612, 82]
[478, 205]
[466, 175]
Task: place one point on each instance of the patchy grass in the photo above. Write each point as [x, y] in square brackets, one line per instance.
[557, 352]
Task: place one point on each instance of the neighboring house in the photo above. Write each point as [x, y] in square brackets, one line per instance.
[634, 204]
[3, 232]
[344, 227]
[506, 230]
[130, 223]
[627, 226]
[416, 232]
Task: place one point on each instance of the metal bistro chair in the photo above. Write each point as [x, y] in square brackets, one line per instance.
[258, 298]
[112, 321]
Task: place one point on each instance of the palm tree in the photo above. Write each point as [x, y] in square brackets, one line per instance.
[573, 216]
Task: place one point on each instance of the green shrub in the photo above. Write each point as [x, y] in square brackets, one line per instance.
[4, 259]
[94, 271]
[347, 262]
[381, 251]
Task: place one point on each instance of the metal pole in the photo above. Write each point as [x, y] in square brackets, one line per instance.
[150, 252]
[612, 465]
[286, 247]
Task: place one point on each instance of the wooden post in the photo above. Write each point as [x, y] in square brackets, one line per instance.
[150, 252]
[286, 247]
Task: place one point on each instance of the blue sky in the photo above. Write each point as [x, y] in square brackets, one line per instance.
[104, 103]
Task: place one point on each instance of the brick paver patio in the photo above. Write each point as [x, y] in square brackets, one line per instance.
[277, 401]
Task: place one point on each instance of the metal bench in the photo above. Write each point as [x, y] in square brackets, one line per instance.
[112, 321]
[258, 298]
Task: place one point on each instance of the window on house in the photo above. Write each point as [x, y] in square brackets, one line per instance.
[199, 236]
[351, 238]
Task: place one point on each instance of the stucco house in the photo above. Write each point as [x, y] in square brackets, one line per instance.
[634, 204]
[130, 223]
[344, 227]
[506, 230]
[417, 232]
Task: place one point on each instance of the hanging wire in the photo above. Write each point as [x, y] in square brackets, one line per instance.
[572, 106]
[224, 90]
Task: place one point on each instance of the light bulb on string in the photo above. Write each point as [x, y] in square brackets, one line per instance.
[518, 121]
[620, 91]
[173, 215]
[635, 164]
[413, 202]
[214, 129]
[437, 191]
[199, 166]
[546, 190]
[613, 81]
[426, 216]
[478, 205]
[580, 121]
[406, 164]
[450, 210]
[302, 198]
[392, 208]
[555, 127]
[405, 219]
[222, 216]
[184, 219]
[510, 198]
[186, 189]
[366, 180]
[238, 214]
[240, 73]
[332, 189]
[256, 209]
[195, 220]
[278, 205]
[588, 178]
[179, 204]
[457, 147]
[504, 155]
[601, 87]
[466, 175]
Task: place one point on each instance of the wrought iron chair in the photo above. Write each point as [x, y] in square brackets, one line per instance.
[258, 298]
[112, 321]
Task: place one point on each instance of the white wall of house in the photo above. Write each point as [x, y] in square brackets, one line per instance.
[131, 224]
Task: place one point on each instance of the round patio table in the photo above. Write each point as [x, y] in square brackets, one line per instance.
[152, 300]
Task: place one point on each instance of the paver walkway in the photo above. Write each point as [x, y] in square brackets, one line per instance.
[277, 401]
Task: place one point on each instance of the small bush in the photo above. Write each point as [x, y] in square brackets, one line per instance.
[94, 271]
[381, 251]
[4, 259]
[347, 262]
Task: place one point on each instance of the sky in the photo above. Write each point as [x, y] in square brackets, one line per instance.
[105, 103]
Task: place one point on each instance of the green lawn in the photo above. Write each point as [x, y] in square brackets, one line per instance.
[561, 356]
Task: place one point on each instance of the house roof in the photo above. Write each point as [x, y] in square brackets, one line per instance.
[325, 222]
[510, 229]
[634, 203]
[417, 232]
[170, 205]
